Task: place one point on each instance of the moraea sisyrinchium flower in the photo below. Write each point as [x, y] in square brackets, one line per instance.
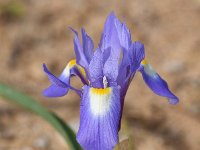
[106, 74]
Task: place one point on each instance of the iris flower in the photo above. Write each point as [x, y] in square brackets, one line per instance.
[106, 74]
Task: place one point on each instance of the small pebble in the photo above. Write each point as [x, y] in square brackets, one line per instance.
[26, 148]
[41, 142]
[174, 67]
[74, 124]
[195, 82]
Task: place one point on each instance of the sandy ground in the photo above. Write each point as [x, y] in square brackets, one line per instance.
[36, 32]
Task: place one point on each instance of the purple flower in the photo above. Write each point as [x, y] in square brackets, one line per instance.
[106, 74]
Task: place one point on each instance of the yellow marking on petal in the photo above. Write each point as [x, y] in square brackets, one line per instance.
[101, 91]
[72, 63]
[148, 68]
[144, 62]
[82, 71]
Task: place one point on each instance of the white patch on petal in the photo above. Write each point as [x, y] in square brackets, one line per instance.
[100, 100]
[149, 70]
[70, 65]
[66, 72]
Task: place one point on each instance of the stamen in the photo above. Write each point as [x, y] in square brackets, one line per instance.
[105, 82]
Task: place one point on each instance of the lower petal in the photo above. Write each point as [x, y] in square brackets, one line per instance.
[99, 118]
[156, 83]
[59, 86]
[55, 91]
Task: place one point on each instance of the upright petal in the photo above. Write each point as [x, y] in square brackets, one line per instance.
[110, 37]
[111, 67]
[99, 118]
[80, 56]
[156, 83]
[136, 53]
[124, 68]
[96, 69]
[130, 63]
[123, 34]
[88, 46]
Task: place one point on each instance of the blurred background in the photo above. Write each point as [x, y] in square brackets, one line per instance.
[33, 32]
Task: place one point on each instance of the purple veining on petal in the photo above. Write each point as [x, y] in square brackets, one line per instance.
[96, 69]
[99, 127]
